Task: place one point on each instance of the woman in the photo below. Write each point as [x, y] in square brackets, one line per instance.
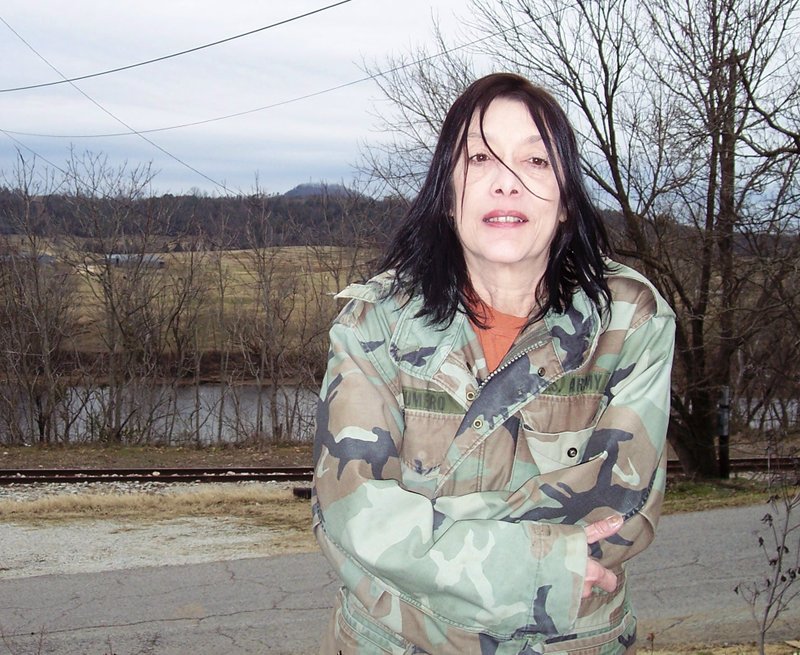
[490, 434]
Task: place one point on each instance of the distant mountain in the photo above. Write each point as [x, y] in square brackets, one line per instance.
[318, 189]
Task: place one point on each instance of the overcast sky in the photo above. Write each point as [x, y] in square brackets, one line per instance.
[315, 139]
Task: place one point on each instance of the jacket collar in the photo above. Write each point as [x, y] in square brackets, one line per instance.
[419, 347]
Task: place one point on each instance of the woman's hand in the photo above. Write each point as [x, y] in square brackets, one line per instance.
[598, 575]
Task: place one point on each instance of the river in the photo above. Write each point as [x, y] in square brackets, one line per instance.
[168, 415]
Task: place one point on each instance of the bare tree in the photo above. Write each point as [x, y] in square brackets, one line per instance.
[708, 46]
[419, 88]
[778, 113]
[219, 330]
[146, 305]
[38, 323]
[278, 330]
[769, 595]
[345, 242]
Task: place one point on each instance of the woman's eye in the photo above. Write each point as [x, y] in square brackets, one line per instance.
[538, 162]
[479, 157]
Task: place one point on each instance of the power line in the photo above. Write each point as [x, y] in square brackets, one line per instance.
[281, 103]
[32, 151]
[112, 115]
[66, 80]
[217, 118]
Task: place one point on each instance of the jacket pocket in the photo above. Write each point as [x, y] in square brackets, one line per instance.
[426, 438]
[556, 414]
[358, 634]
[554, 452]
[557, 431]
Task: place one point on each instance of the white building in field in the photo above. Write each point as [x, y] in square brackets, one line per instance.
[121, 260]
[148, 260]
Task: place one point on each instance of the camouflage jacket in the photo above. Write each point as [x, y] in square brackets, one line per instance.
[451, 501]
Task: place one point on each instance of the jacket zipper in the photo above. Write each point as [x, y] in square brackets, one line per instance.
[508, 363]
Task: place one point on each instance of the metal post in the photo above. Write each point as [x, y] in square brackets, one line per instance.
[723, 423]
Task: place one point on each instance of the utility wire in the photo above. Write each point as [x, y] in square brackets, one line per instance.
[281, 103]
[66, 80]
[32, 151]
[116, 118]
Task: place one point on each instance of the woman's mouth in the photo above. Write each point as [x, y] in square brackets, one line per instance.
[502, 218]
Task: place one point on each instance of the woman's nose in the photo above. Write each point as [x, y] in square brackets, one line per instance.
[505, 181]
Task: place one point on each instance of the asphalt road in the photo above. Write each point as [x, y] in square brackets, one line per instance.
[682, 587]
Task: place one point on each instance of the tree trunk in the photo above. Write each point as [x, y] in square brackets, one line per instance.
[693, 438]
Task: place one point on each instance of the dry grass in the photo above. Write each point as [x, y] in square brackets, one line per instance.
[269, 506]
[259, 504]
[697, 496]
[787, 648]
[299, 273]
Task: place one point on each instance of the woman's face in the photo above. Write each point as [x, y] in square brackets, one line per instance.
[507, 202]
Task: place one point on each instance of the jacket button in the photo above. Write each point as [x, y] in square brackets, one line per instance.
[572, 452]
[541, 371]
[477, 423]
[471, 395]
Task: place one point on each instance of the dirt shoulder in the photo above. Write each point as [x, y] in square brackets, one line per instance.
[96, 456]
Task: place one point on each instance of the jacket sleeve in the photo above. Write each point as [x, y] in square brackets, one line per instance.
[390, 545]
[623, 469]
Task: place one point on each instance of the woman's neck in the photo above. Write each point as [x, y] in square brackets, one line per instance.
[506, 291]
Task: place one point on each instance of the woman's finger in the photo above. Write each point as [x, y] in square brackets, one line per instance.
[603, 529]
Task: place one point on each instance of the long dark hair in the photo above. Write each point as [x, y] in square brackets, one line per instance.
[425, 251]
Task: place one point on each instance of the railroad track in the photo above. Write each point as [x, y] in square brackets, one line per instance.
[754, 464]
[277, 473]
[229, 474]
